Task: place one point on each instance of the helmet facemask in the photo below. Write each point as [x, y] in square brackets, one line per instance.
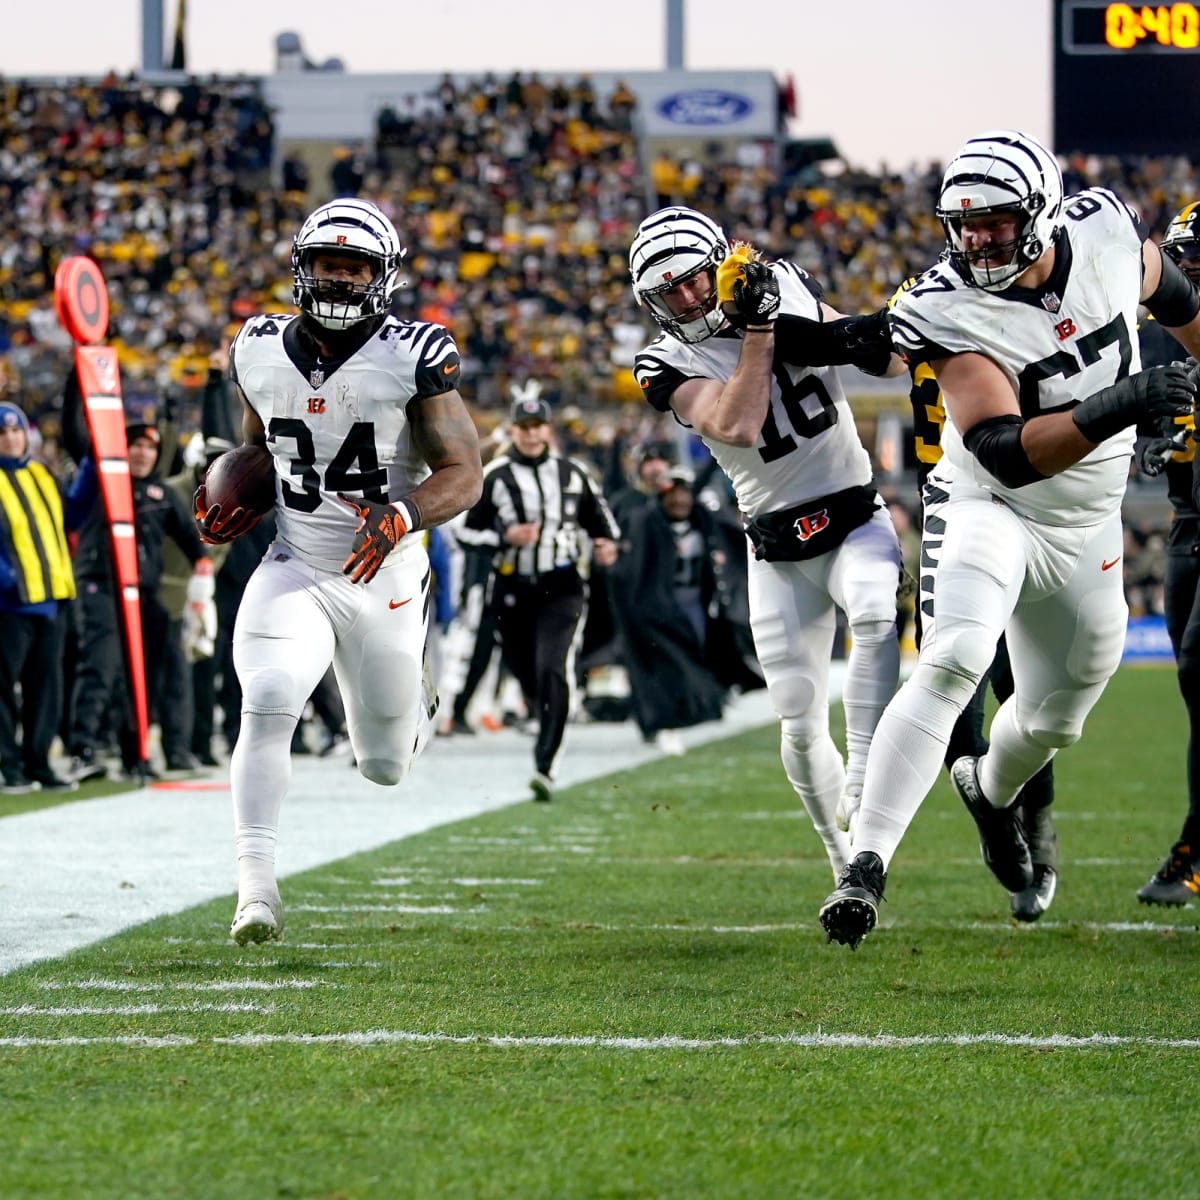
[351, 229]
[340, 303]
[671, 247]
[995, 265]
[695, 324]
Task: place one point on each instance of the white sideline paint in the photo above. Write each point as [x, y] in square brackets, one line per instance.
[79, 872]
[816, 1041]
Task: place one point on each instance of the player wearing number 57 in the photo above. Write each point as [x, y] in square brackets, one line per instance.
[1029, 325]
[785, 437]
[371, 443]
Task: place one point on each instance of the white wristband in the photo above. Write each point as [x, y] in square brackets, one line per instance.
[405, 512]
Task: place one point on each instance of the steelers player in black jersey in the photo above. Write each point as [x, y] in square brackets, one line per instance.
[1170, 450]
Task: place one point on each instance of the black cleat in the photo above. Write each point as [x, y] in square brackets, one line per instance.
[1029, 903]
[86, 766]
[1001, 834]
[850, 910]
[1176, 882]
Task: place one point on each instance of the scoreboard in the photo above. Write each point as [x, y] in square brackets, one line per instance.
[1126, 78]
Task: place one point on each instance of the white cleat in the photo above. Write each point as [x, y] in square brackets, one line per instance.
[670, 742]
[257, 921]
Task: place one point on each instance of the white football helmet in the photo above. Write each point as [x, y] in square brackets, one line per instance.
[353, 227]
[1000, 172]
[1181, 242]
[672, 245]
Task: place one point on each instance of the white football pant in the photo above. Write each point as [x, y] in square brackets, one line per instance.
[1057, 591]
[294, 620]
[793, 618]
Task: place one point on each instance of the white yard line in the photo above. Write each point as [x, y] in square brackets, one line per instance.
[812, 1041]
[219, 985]
[131, 1010]
[79, 872]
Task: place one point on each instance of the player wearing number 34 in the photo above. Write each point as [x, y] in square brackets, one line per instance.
[1029, 326]
[785, 437]
[371, 443]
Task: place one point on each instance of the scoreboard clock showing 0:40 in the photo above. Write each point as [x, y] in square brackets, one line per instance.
[1126, 78]
[1121, 28]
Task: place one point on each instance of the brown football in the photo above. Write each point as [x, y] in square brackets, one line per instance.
[243, 477]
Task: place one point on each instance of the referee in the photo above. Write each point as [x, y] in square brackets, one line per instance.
[537, 506]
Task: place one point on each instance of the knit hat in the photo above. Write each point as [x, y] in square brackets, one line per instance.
[142, 429]
[11, 415]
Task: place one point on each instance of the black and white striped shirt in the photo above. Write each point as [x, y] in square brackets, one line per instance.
[555, 492]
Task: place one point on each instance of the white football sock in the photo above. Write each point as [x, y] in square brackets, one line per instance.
[1013, 758]
[260, 771]
[872, 668]
[906, 756]
[815, 769]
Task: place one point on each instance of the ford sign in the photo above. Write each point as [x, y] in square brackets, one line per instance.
[706, 106]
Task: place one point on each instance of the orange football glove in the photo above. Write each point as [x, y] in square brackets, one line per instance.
[216, 527]
[380, 528]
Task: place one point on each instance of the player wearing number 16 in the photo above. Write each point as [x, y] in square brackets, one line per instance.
[785, 437]
[371, 443]
[1028, 323]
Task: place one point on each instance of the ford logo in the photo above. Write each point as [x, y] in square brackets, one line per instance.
[706, 106]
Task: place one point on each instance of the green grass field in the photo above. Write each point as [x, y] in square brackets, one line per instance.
[627, 994]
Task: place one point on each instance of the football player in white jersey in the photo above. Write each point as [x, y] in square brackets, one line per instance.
[1029, 325]
[371, 443]
[786, 439]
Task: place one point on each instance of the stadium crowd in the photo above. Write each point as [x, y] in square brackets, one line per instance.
[517, 199]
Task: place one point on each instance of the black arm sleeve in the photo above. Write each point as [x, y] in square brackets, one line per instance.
[863, 342]
[996, 443]
[77, 441]
[1175, 301]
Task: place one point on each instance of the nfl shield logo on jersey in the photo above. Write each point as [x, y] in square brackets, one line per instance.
[316, 377]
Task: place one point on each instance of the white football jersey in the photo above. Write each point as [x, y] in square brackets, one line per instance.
[1058, 344]
[808, 447]
[339, 426]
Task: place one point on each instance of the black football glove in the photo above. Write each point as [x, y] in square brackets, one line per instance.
[747, 289]
[380, 529]
[1158, 392]
[756, 297]
[1152, 454]
[218, 528]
